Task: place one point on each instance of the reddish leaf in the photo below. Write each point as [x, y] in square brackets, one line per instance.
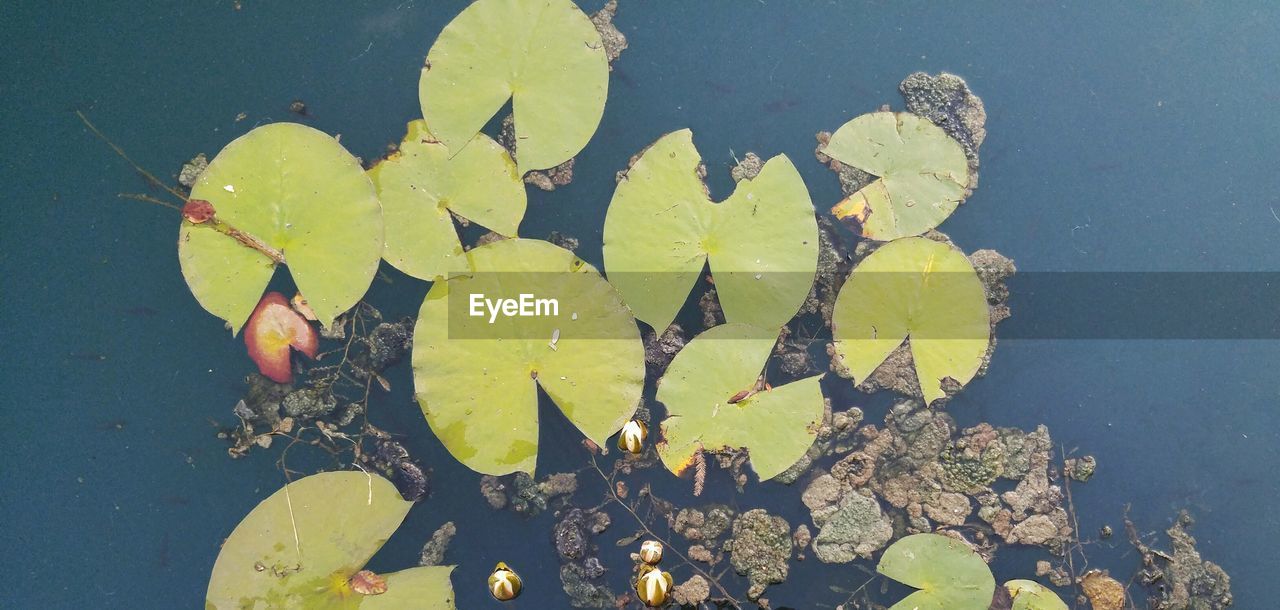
[365, 582]
[273, 328]
[197, 211]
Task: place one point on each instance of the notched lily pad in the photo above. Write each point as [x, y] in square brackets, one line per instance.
[302, 546]
[420, 185]
[1031, 595]
[921, 289]
[714, 402]
[761, 242]
[544, 55]
[948, 573]
[923, 173]
[298, 191]
[476, 377]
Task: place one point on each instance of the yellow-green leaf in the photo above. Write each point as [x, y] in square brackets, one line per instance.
[300, 192]
[923, 174]
[426, 588]
[421, 183]
[1031, 595]
[477, 377]
[762, 242]
[948, 573]
[775, 426]
[917, 288]
[298, 547]
[544, 55]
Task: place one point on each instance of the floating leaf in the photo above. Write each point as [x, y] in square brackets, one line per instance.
[948, 573]
[421, 184]
[544, 55]
[916, 288]
[273, 328]
[300, 192]
[775, 425]
[476, 377]
[762, 242]
[1031, 595]
[299, 548]
[923, 173]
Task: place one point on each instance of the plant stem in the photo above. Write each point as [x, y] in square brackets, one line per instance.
[138, 168]
[614, 495]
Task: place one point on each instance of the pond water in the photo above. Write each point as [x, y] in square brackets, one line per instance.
[1120, 139]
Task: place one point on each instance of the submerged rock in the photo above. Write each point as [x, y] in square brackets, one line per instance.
[523, 494]
[691, 592]
[394, 461]
[580, 566]
[747, 168]
[388, 343]
[946, 101]
[576, 579]
[309, 403]
[1181, 579]
[705, 524]
[761, 549]
[564, 241]
[856, 528]
[614, 41]
[433, 551]
[659, 350]
[192, 169]
[1081, 469]
[572, 539]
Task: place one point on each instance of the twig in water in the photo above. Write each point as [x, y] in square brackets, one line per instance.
[608, 481]
[137, 168]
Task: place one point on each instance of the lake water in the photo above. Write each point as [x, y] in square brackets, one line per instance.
[1120, 138]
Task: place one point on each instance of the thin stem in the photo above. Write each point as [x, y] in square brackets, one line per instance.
[613, 493]
[148, 199]
[138, 168]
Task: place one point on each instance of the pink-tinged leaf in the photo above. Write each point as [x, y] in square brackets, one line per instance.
[273, 328]
[197, 211]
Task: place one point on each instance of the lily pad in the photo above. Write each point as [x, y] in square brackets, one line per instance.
[476, 377]
[421, 184]
[923, 173]
[300, 192]
[761, 242]
[921, 289]
[1031, 595]
[948, 573]
[544, 55]
[777, 426]
[299, 547]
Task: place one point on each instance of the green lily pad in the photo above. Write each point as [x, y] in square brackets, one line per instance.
[544, 55]
[421, 184]
[476, 377]
[1031, 595]
[776, 426]
[948, 573]
[923, 174]
[298, 547]
[917, 288]
[762, 242]
[300, 192]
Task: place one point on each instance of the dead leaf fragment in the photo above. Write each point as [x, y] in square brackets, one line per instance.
[366, 582]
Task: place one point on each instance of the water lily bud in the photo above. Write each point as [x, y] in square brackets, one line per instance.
[653, 586]
[651, 552]
[504, 583]
[632, 437]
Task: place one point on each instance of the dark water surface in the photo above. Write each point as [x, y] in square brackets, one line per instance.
[1134, 138]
